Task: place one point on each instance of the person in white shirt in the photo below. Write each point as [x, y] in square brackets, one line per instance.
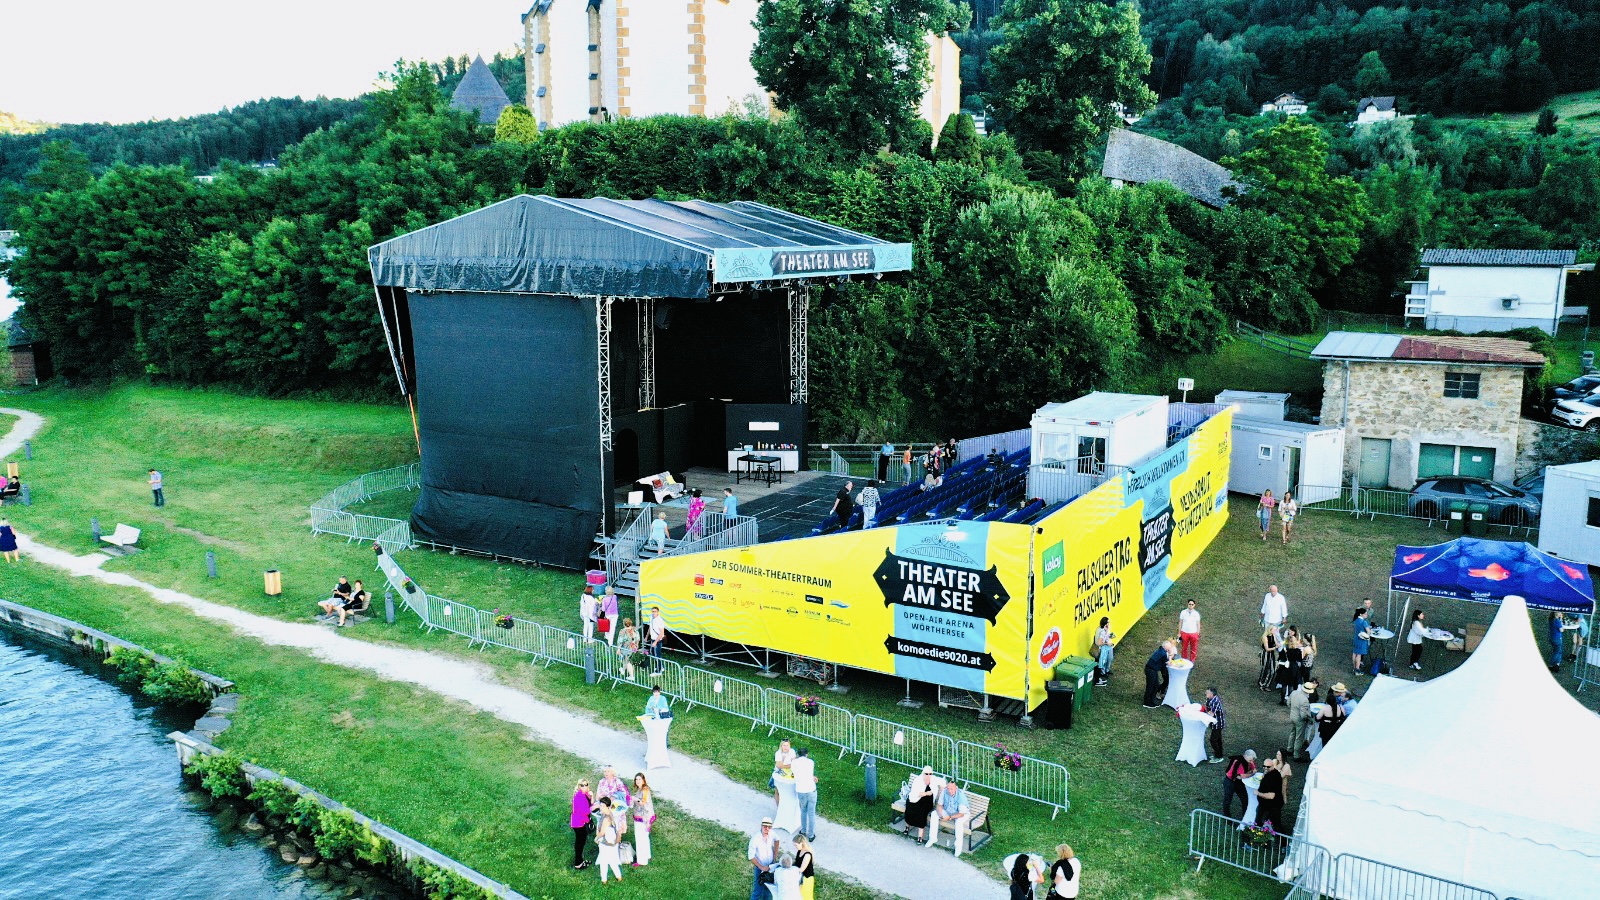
[658, 634]
[761, 852]
[588, 611]
[805, 790]
[1274, 608]
[782, 762]
[1189, 631]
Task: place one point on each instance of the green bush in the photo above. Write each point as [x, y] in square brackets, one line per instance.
[175, 682]
[274, 798]
[443, 884]
[222, 775]
[340, 836]
[132, 666]
[169, 682]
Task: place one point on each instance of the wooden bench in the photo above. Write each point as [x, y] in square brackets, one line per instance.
[353, 613]
[123, 538]
[978, 832]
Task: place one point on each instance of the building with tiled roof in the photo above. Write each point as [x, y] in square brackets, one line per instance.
[1375, 109]
[1137, 158]
[1424, 406]
[479, 92]
[1491, 290]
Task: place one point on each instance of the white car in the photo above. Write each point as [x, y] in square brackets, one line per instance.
[1578, 414]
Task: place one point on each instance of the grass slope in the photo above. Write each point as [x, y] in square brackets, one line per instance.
[241, 471]
[1578, 113]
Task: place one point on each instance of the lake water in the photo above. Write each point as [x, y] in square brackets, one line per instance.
[91, 801]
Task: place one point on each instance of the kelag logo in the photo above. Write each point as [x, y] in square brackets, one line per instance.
[1055, 563]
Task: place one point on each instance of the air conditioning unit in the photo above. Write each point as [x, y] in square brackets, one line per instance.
[1510, 302]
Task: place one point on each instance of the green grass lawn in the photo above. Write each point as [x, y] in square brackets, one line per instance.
[458, 779]
[241, 472]
[1579, 113]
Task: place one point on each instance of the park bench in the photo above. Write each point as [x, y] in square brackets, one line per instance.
[978, 832]
[123, 538]
[11, 491]
[353, 613]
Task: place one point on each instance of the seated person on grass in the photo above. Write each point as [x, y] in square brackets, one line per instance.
[339, 597]
[357, 602]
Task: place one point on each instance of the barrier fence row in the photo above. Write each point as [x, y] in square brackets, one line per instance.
[1358, 500]
[779, 710]
[328, 514]
[1312, 872]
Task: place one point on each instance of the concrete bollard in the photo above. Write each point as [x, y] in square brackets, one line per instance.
[211, 564]
[588, 663]
[27, 496]
[871, 773]
[27, 450]
[94, 530]
[388, 606]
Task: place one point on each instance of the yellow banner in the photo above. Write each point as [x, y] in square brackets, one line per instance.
[1115, 551]
[944, 603]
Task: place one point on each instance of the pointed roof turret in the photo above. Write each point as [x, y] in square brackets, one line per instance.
[481, 93]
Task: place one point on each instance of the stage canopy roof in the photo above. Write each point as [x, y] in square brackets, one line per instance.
[625, 248]
[1488, 571]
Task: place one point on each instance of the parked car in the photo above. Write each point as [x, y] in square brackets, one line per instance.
[1578, 414]
[1533, 483]
[1508, 505]
[1578, 387]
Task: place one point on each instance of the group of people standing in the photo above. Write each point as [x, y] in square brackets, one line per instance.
[606, 814]
[939, 459]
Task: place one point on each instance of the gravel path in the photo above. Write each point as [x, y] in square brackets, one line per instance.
[881, 861]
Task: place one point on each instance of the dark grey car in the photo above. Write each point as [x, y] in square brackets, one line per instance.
[1578, 388]
[1507, 505]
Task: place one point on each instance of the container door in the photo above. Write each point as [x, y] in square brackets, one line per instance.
[1293, 453]
[1375, 462]
[1436, 461]
[1091, 453]
[1476, 462]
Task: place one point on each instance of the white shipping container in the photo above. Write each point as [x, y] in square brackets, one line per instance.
[1569, 520]
[1116, 429]
[1284, 456]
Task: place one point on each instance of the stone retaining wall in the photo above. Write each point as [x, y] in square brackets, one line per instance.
[81, 637]
[190, 747]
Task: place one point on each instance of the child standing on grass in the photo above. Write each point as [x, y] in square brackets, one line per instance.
[8, 541]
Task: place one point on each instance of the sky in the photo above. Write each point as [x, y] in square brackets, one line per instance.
[70, 61]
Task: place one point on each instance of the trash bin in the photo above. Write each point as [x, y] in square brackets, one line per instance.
[1058, 706]
[274, 582]
[1077, 671]
[1478, 519]
[1457, 516]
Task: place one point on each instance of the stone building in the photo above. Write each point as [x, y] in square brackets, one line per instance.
[479, 92]
[1425, 406]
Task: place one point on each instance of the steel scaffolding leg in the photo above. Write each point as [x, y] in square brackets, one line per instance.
[799, 302]
[647, 353]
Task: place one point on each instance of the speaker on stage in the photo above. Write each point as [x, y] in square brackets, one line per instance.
[1058, 706]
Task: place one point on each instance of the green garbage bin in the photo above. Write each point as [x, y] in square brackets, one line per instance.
[1478, 518]
[1456, 517]
[1079, 671]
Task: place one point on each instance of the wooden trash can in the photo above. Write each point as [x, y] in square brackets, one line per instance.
[274, 583]
[13, 470]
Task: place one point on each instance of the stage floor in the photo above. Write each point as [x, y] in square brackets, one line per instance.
[789, 509]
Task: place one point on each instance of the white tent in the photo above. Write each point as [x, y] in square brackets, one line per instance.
[1483, 776]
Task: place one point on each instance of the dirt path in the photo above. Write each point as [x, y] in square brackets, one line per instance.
[880, 861]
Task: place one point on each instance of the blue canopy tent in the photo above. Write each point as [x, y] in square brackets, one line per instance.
[1480, 571]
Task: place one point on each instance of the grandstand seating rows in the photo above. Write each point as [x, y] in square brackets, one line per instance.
[972, 489]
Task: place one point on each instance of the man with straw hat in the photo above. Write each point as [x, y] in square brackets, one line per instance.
[1302, 724]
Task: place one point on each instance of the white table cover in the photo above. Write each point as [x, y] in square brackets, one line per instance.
[1194, 721]
[787, 817]
[655, 742]
[1178, 683]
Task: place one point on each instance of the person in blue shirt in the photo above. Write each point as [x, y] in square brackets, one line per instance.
[953, 810]
[657, 704]
[730, 504]
[1557, 639]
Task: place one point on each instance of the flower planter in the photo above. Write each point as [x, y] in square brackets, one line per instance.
[807, 707]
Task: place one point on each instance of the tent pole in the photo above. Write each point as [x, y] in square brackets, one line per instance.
[1400, 631]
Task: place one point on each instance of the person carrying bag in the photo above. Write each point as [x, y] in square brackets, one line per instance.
[1064, 874]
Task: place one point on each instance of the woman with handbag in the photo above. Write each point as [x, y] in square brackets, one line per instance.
[1064, 874]
[608, 616]
[609, 837]
[919, 802]
[644, 817]
[588, 609]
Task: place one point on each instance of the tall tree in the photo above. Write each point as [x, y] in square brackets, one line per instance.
[1287, 175]
[1372, 76]
[958, 140]
[1062, 68]
[853, 69]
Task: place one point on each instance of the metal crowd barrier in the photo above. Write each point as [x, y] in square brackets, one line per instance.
[1356, 876]
[732, 696]
[831, 724]
[910, 747]
[1217, 837]
[1038, 779]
